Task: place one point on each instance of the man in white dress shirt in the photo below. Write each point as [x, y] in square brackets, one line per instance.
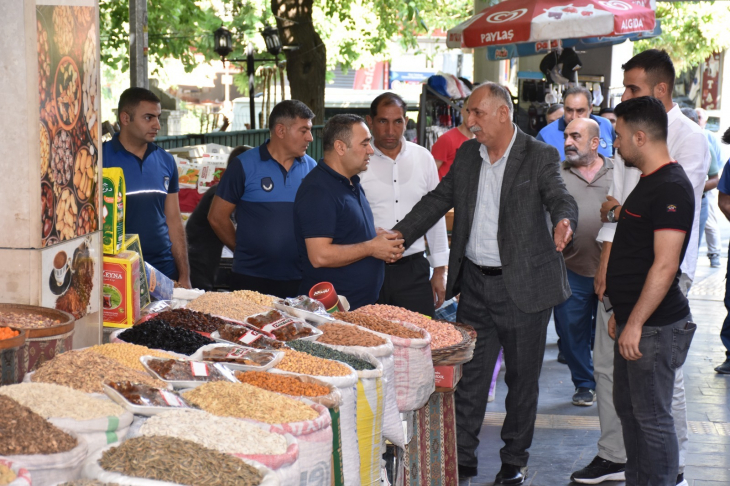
[399, 175]
[650, 73]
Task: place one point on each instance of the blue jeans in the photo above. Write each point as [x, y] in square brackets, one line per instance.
[642, 395]
[575, 321]
[704, 212]
[725, 332]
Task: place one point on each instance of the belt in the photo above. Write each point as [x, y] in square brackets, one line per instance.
[488, 271]
[407, 259]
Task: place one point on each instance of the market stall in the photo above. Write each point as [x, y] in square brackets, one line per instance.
[312, 397]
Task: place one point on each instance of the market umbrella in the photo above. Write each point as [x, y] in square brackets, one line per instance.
[514, 21]
[509, 51]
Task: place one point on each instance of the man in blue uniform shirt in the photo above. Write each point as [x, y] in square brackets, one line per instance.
[150, 176]
[333, 223]
[577, 103]
[260, 186]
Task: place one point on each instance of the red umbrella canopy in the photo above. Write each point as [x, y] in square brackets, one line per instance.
[540, 20]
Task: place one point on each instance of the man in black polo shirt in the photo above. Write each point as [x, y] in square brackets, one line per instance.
[651, 315]
[333, 223]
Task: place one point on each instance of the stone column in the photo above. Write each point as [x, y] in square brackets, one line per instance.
[49, 74]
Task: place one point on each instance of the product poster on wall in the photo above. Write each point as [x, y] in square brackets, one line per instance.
[70, 276]
[68, 88]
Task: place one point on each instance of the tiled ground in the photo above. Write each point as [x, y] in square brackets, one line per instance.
[565, 437]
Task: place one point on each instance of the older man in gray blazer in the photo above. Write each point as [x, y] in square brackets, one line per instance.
[507, 264]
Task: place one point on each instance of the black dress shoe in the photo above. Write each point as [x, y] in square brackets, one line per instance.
[511, 474]
[724, 369]
[467, 471]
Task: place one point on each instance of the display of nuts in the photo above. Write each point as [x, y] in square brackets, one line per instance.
[44, 62]
[87, 220]
[47, 209]
[84, 174]
[83, 15]
[48, 115]
[62, 158]
[90, 86]
[63, 26]
[45, 150]
[66, 212]
[67, 86]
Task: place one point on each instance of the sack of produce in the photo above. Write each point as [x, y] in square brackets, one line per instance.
[315, 445]
[341, 400]
[314, 353]
[167, 461]
[347, 338]
[415, 380]
[231, 436]
[308, 422]
[47, 452]
[95, 418]
[13, 474]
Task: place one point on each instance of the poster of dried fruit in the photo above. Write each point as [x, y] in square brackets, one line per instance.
[68, 89]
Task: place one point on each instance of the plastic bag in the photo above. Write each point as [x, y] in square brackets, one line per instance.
[392, 424]
[54, 468]
[22, 478]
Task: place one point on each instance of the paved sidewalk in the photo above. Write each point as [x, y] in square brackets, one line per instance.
[566, 435]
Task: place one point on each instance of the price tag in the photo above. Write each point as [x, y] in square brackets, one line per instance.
[171, 399]
[250, 337]
[237, 353]
[198, 368]
[277, 324]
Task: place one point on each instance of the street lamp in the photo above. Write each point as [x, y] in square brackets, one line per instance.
[223, 42]
[271, 37]
[224, 46]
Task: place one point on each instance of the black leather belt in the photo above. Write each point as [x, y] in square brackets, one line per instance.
[407, 259]
[488, 271]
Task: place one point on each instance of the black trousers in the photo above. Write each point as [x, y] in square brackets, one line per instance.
[407, 284]
[279, 288]
[486, 305]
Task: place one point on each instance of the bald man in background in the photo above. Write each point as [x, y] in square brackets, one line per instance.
[588, 176]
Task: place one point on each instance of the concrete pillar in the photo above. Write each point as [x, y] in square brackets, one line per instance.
[485, 70]
[44, 49]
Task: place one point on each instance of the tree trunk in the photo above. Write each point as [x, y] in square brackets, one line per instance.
[306, 67]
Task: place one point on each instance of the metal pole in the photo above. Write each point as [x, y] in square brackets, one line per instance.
[251, 70]
[138, 44]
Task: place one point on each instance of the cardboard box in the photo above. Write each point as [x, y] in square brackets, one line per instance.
[114, 199]
[121, 289]
[447, 377]
[131, 243]
[212, 168]
[188, 172]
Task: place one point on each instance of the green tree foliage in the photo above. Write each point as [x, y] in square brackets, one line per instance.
[691, 32]
[356, 33]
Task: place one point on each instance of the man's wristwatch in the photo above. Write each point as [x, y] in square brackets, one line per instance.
[611, 216]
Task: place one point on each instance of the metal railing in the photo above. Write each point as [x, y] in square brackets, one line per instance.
[252, 138]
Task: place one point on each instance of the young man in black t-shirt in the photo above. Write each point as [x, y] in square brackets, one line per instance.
[651, 319]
